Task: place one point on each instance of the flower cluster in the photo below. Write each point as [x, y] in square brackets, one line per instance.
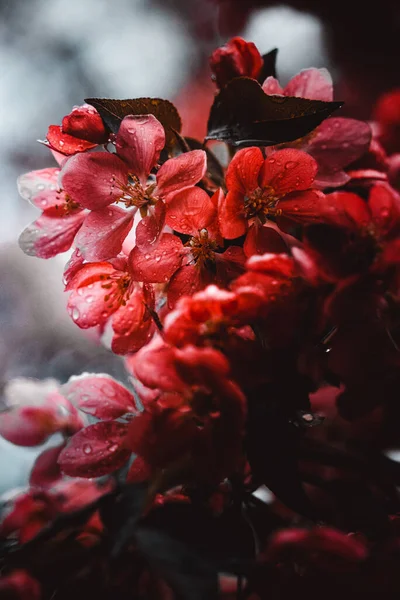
[256, 303]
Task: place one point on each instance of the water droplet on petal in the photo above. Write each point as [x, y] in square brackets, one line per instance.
[87, 448]
[40, 186]
[113, 448]
[89, 299]
[158, 258]
[75, 314]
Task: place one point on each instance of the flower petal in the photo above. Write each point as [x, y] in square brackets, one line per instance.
[99, 395]
[181, 172]
[314, 84]
[46, 471]
[41, 188]
[232, 222]
[103, 233]
[384, 204]
[261, 239]
[190, 211]
[95, 451]
[288, 170]
[94, 180]
[243, 171]
[148, 230]
[310, 206]
[337, 142]
[65, 143]
[185, 282]
[48, 236]
[153, 365]
[139, 142]
[72, 267]
[92, 305]
[29, 425]
[132, 323]
[272, 87]
[158, 265]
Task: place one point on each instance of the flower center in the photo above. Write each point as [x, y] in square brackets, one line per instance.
[262, 202]
[202, 247]
[135, 194]
[118, 289]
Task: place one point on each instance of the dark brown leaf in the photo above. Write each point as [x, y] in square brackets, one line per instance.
[243, 115]
[113, 111]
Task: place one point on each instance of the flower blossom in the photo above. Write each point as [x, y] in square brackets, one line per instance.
[100, 181]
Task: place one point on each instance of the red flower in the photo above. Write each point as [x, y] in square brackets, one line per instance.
[35, 411]
[81, 130]
[199, 411]
[335, 143]
[197, 262]
[235, 59]
[387, 116]
[19, 585]
[102, 292]
[363, 236]
[277, 186]
[55, 230]
[325, 547]
[97, 180]
[100, 448]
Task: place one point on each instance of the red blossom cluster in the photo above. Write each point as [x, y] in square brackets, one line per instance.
[256, 303]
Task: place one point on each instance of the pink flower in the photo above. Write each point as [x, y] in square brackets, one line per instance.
[100, 448]
[97, 180]
[191, 266]
[54, 231]
[338, 141]
[102, 293]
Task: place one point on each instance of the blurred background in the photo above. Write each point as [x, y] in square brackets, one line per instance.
[55, 53]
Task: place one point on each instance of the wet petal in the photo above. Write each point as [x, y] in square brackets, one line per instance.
[181, 172]
[95, 451]
[337, 142]
[92, 305]
[315, 84]
[243, 171]
[140, 140]
[132, 323]
[288, 170]
[41, 188]
[99, 395]
[310, 206]
[153, 365]
[65, 143]
[186, 281]
[232, 222]
[72, 267]
[48, 236]
[94, 180]
[158, 265]
[148, 230]
[103, 233]
[190, 211]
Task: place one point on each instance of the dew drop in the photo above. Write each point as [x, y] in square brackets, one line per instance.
[40, 186]
[158, 258]
[87, 448]
[113, 448]
[291, 164]
[147, 256]
[75, 314]
[61, 143]
[89, 299]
